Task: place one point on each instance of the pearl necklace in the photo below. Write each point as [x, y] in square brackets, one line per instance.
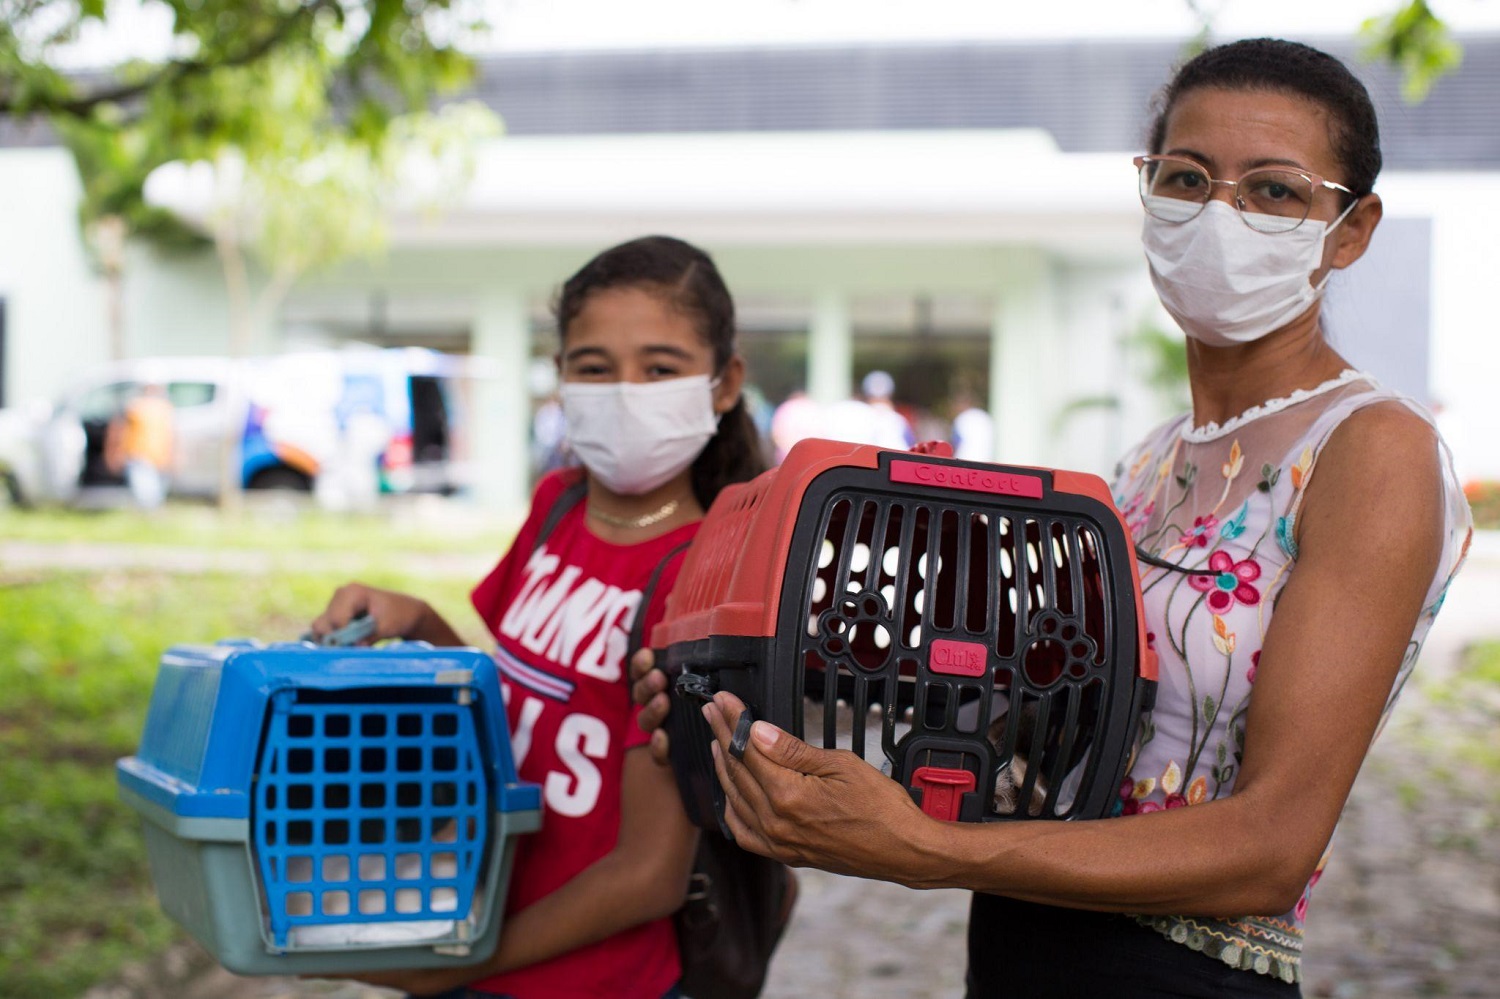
[644, 520]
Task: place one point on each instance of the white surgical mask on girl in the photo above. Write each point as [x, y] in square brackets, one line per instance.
[635, 437]
[1226, 283]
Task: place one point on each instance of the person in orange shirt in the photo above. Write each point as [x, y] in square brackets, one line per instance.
[146, 441]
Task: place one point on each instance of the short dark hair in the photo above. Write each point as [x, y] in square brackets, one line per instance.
[1290, 68]
[688, 280]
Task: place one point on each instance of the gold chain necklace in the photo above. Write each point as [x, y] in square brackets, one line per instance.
[644, 520]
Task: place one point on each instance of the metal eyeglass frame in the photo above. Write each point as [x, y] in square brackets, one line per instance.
[1239, 203]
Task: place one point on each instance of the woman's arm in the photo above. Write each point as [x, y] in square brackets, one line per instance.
[1371, 535]
[644, 878]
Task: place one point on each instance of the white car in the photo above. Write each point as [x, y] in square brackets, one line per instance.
[290, 421]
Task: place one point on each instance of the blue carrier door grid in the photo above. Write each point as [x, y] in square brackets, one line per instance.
[369, 812]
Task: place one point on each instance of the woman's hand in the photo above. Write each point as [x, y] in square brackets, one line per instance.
[396, 615]
[649, 690]
[811, 807]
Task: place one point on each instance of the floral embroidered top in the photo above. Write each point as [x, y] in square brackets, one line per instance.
[1225, 499]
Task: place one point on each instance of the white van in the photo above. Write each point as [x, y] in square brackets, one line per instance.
[383, 421]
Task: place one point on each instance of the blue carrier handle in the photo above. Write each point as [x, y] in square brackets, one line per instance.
[357, 630]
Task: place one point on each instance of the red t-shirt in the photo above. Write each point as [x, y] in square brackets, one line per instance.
[562, 612]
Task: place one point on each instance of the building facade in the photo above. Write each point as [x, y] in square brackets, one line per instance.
[964, 216]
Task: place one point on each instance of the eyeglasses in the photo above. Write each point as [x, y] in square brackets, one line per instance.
[1270, 200]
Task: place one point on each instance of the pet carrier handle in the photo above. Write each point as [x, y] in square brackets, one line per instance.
[357, 630]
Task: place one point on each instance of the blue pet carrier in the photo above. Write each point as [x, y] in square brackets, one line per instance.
[326, 811]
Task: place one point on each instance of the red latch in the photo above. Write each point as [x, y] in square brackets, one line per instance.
[943, 790]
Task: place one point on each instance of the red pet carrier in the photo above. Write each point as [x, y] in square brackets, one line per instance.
[975, 630]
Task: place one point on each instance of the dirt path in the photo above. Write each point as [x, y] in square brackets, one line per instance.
[1409, 906]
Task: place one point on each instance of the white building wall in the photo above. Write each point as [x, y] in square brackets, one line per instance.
[175, 302]
[55, 301]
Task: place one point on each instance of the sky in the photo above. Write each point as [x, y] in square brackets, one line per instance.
[142, 27]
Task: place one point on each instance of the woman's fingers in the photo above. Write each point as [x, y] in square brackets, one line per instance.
[741, 824]
[751, 792]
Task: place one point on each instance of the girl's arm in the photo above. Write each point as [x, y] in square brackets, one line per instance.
[1371, 536]
[644, 878]
[397, 615]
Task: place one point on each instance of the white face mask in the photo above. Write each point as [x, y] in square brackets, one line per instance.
[634, 438]
[1224, 282]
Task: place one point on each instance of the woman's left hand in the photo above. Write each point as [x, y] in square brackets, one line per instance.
[813, 807]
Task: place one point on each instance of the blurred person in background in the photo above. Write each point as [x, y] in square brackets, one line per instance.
[871, 418]
[651, 390]
[973, 434]
[1298, 531]
[140, 444]
[797, 418]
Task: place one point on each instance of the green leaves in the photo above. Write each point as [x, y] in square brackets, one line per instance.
[1416, 42]
[255, 76]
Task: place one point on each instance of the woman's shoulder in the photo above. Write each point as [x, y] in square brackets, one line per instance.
[1381, 462]
[1377, 431]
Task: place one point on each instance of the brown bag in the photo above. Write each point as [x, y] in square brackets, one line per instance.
[737, 908]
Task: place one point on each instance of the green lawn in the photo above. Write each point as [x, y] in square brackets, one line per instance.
[270, 526]
[78, 662]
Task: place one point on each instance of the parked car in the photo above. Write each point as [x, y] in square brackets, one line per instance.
[357, 419]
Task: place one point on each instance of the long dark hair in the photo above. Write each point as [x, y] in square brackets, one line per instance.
[687, 279]
[1289, 68]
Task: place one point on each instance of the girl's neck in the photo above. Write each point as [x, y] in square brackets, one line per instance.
[628, 520]
[1226, 381]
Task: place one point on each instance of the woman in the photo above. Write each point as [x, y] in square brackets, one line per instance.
[1320, 520]
[651, 390]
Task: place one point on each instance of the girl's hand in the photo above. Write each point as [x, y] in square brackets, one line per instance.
[649, 690]
[396, 615]
[811, 807]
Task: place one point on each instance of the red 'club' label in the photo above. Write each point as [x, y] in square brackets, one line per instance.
[956, 658]
[977, 480]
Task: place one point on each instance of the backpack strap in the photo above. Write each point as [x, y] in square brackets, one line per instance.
[566, 500]
[638, 626]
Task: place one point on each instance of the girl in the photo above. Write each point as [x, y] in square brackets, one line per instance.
[1305, 523]
[651, 391]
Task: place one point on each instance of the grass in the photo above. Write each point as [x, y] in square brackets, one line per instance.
[280, 525]
[80, 654]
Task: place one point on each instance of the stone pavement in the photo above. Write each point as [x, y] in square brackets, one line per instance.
[1409, 905]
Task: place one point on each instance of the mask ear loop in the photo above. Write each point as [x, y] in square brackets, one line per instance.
[714, 383]
[1332, 226]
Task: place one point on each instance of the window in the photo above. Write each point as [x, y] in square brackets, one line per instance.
[105, 402]
[186, 394]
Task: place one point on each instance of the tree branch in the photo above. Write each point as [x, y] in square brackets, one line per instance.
[172, 72]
